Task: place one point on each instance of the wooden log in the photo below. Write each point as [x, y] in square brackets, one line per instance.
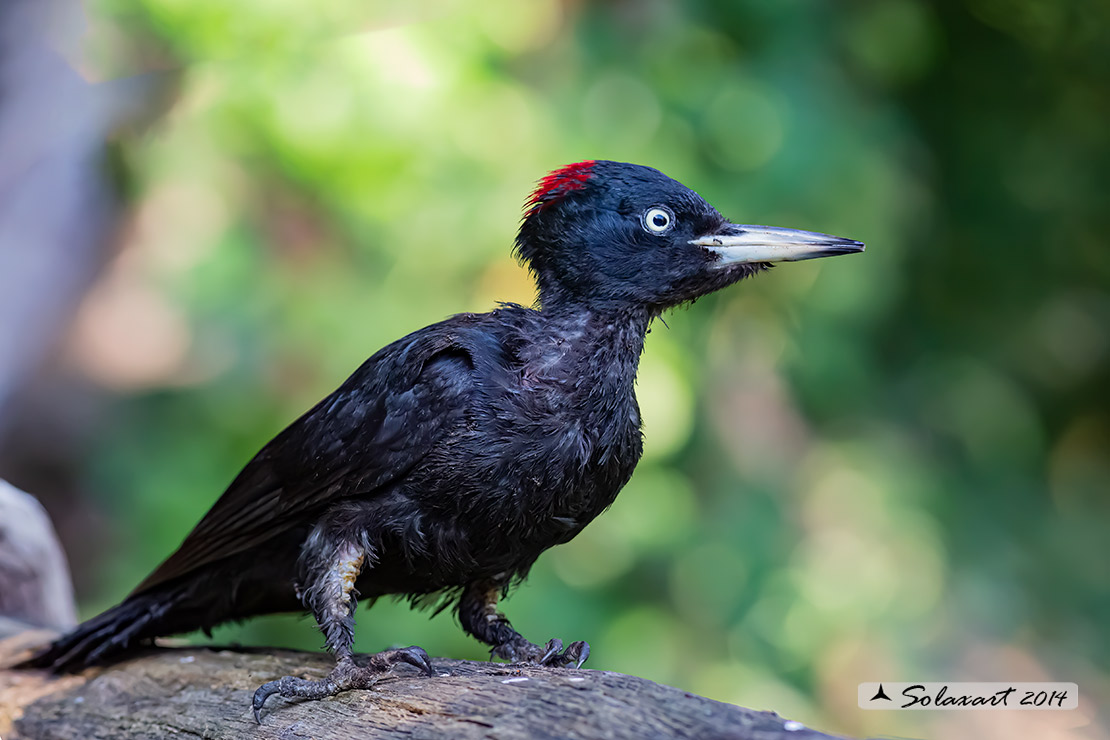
[206, 693]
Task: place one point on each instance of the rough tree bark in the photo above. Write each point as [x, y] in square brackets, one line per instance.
[206, 693]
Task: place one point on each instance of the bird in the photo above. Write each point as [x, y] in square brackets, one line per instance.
[452, 458]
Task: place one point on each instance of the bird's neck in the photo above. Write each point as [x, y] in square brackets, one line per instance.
[596, 347]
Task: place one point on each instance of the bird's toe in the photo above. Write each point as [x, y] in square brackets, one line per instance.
[551, 655]
[290, 687]
[579, 652]
[517, 651]
[575, 654]
[552, 650]
[345, 676]
[413, 655]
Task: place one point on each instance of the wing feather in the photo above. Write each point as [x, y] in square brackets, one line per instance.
[368, 433]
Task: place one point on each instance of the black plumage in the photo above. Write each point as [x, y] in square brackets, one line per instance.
[452, 458]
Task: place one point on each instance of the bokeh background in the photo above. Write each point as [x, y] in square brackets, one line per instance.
[887, 466]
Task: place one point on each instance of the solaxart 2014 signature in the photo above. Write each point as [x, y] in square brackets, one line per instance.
[967, 695]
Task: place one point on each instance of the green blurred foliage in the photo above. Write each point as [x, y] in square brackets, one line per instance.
[889, 465]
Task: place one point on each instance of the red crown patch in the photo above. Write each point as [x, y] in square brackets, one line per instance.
[558, 183]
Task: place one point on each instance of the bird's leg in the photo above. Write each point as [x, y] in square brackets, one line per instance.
[479, 617]
[331, 598]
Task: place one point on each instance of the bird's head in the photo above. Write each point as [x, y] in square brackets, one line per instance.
[610, 233]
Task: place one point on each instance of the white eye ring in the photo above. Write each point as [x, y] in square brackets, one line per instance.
[658, 219]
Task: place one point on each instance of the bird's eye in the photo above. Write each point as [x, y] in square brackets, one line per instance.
[658, 220]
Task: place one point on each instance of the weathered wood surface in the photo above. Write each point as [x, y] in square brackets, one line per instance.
[202, 692]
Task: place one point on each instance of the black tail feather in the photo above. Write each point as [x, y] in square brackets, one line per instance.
[116, 631]
[256, 583]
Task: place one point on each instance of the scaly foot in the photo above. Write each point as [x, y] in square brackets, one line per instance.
[346, 675]
[551, 654]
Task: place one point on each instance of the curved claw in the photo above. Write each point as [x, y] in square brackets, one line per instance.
[553, 648]
[575, 654]
[415, 656]
[551, 655]
[579, 652]
[264, 692]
